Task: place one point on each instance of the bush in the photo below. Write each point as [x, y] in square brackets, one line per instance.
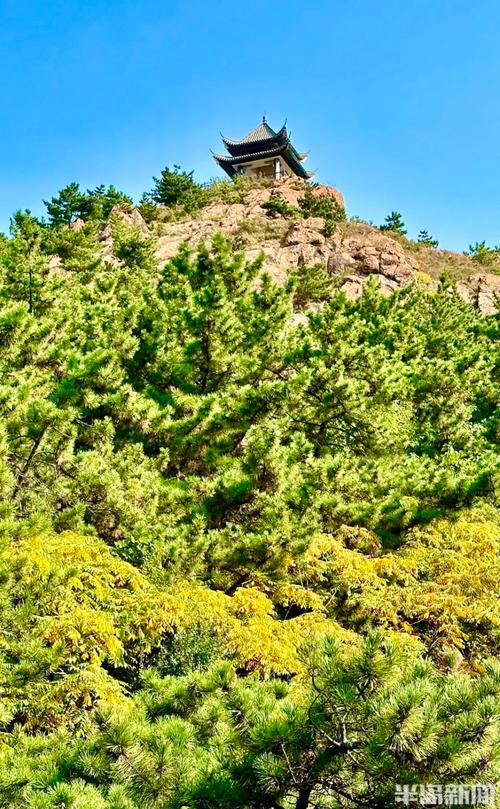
[231, 191]
[178, 187]
[325, 207]
[147, 209]
[311, 285]
[360, 221]
[276, 205]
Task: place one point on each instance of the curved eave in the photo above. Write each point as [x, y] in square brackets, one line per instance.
[241, 147]
[299, 156]
[272, 136]
[247, 158]
[296, 166]
[228, 162]
[227, 167]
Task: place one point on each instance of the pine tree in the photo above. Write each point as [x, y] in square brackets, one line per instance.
[367, 719]
[482, 254]
[177, 187]
[394, 222]
[70, 204]
[426, 239]
[247, 559]
[93, 205]
[25, 265]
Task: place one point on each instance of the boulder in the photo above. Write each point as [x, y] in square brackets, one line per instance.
[292, 189]
[329, 191]
[305, 231]
[130, 217]
[482, 290]
[371, 253]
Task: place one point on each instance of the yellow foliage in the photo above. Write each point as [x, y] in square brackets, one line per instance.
[423, 277]
[94, 602]
[87, 635]
[85, 611]
[289, 595]
[87, 608]
[249, 631]
[91, 610]
[101, 608]
[60, 703]
[441, 585]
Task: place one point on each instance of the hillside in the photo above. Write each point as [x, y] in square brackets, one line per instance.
[353, 253]
[249, 513]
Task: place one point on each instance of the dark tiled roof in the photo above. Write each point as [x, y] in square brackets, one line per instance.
[246, 158]
[261, 132]
[266, 143]
[227, 162]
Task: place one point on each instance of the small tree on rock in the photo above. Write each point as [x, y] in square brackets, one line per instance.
[177, 187]
[482, 254]
[426, 239]
[71, 204]
[394, 222]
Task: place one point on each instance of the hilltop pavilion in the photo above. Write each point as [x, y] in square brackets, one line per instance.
[263, 153]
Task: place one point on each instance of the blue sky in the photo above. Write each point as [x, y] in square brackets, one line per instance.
[397, 102]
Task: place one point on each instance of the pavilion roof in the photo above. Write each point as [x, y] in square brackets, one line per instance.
[261, 134]
[285, 150]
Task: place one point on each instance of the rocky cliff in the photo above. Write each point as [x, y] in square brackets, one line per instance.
[355, 252]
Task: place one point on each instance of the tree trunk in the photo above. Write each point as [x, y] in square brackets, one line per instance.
[303, 798]
[24, 471]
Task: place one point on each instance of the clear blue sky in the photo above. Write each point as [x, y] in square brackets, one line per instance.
[396, 101]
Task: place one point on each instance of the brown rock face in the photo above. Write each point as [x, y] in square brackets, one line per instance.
[370, 253]
[286, 243]
[130, 217]
[353, 254]
[289, 243]
[482, 290]
[305, 231]
[328, 191]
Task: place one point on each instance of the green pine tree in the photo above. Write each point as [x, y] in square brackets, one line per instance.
[394, 222]
[426, 239]
[177, 187]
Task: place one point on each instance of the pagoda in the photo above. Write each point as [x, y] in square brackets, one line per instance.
[263, 153]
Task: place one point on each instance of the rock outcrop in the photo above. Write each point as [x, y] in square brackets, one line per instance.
[370, 253]
[288, 243]
[354, 253]
[129, 216]
[482, 290]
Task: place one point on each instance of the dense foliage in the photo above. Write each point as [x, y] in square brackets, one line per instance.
[71, 204]
[249, 547]
[177, 187]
